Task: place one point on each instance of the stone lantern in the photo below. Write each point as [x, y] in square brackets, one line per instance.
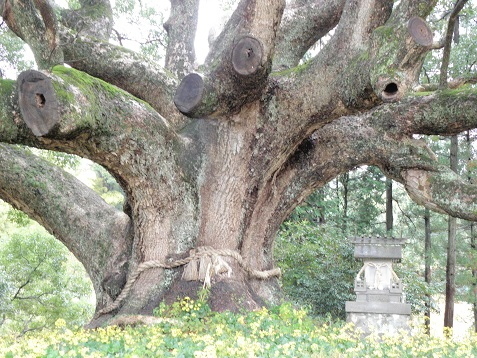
[380, 305]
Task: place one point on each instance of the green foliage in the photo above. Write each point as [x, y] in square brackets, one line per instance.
[12, 53]
[416, 289]
[463, 58]
[18, 217]
[105, 185]
[186, 309]
[318, 267]
[282, 331]
[62, 160]
[40, 283]
[353, 202]
[149, 37]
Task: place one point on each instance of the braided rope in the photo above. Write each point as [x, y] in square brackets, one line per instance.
[202, 251]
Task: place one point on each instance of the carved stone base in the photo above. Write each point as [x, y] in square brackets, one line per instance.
[379, 323]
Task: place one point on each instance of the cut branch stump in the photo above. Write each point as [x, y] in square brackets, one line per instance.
[247, 55]
[189, 93]
[420, 31]
[37, 101]
[234, 79]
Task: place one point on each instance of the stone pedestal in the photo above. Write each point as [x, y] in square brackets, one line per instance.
[379, 323]
[380, 305]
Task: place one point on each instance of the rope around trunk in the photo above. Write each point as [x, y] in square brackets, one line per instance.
[201, 252]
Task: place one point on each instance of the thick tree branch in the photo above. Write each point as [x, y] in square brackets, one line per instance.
[68, 209]
[382, 137]
[87, 112]
[441, 190]
[238, 64]
[427, 182]
[124, 69]
[447, 112]
[181, 28]
[326, 78]
[335, 83]
[453, 84]
[359, 20]
[115, 64]
[398, 51]
[35, 23]
[94, 19]
[303, 24]
[382, 51]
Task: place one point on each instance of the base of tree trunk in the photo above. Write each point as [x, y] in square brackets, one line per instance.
[234, 294]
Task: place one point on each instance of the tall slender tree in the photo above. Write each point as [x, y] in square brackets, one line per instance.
[451, 249]
[389, 206]
[472, 232]
[451, 244]
[427, 268]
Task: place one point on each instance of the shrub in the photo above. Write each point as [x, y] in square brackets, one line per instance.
[318, 267]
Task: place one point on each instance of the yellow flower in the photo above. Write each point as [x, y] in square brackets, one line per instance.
[60, 323]
[176, 332]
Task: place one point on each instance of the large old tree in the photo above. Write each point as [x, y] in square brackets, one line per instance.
[213, 159]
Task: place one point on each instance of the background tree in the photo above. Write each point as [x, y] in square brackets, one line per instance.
[451, 249]
[39, 284]
[255, 134]
[472, 262]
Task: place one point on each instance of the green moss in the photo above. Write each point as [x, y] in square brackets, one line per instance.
[100, 96]
[385, 32]
[294, 70]
[464, 90]
[87, 82]
[62, 94]
[450, 93]
[420, 94]
[84, 81]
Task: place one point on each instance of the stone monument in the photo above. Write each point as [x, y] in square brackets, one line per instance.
[380, 305]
